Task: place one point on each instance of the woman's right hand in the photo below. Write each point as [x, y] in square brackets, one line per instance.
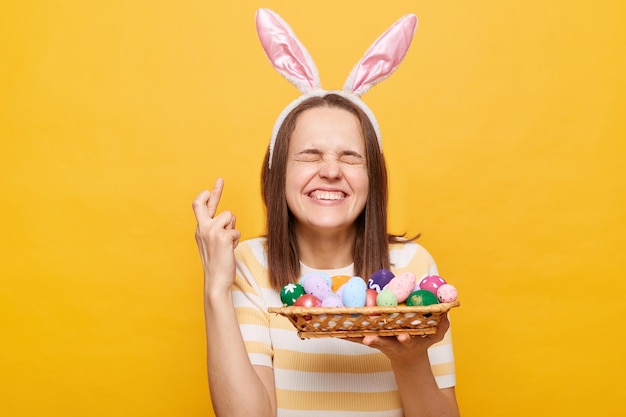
[230, 371]
[217, 239]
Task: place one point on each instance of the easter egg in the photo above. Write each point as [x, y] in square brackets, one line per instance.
[379, 279]
[339, 280]
[317, 274]
[402, 285]
[307, 300]
[340, 290]
[370, 297]
[386, 298]
[431, 283]
[357, 281]
[421, 298]
[353, 292]
[447, 293]
[290, 293]
[332, 300]
[317, 285]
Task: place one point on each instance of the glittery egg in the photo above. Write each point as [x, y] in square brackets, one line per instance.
[432, 283]
[421, 298]
[386, 298]
[379, 279]
[317, 285]
[290, 293]
[353, 292]
[402, 285]
[447, 293]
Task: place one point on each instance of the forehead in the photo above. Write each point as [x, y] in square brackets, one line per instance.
[327, 127]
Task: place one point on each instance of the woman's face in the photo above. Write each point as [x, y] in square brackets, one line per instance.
[327, 178]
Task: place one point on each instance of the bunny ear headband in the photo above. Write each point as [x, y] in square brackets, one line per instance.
[291, 59]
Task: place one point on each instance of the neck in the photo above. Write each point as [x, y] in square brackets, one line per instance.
[326, 251]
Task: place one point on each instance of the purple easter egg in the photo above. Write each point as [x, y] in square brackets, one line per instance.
[332, 300]
[318, 286]
[317, 274]
[379, 279]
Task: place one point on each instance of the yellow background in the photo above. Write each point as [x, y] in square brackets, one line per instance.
[506, 141]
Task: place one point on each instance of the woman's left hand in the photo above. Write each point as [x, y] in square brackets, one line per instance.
[404, 347]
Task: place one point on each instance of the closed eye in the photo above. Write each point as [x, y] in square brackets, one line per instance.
[314, 155]
[309, 155]
[351, 158]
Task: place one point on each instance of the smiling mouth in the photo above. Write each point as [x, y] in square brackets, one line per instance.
[327, 195]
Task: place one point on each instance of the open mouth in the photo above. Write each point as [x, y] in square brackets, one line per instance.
[327, 195]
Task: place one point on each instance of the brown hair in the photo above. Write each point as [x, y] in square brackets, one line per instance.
[370, 249]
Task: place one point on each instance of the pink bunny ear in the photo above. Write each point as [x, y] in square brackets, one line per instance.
[286, 53]
[383, 57]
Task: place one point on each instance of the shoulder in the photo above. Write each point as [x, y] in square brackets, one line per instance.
[401, 253]
[252, 250]
[411, 256]
[251, 259]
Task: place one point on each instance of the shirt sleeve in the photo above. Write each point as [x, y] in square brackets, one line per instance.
[250, 303]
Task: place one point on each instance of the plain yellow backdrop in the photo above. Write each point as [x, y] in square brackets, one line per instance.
[506, 142]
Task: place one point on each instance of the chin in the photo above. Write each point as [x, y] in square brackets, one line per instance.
[330, 225]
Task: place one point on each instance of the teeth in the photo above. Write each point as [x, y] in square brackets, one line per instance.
[327, 195]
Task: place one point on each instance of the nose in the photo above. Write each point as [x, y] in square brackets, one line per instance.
[330, 168]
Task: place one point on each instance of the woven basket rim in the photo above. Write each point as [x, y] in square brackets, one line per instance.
[315, 311]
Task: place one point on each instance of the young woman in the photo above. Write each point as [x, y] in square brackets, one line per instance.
[326, 199]
[324, 185]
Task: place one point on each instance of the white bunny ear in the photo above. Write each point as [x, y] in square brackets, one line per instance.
[286, 53]
[383, 57]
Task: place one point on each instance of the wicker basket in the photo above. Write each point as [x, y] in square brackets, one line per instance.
[344, 322]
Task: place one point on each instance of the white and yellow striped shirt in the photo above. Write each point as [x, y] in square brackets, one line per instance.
[324, 377]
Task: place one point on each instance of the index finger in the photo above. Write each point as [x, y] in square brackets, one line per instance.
[214, 197]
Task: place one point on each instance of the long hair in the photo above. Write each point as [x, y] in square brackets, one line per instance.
[370, 251]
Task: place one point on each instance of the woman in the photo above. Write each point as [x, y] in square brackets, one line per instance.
[324, 185]
[326, 199]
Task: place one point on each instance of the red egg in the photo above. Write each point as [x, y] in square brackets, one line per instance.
[307, 300]
[370, 297]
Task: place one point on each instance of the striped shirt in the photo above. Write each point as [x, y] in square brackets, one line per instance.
[325, 377]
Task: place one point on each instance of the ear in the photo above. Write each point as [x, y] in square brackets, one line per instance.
[286, 53]
[383, 57]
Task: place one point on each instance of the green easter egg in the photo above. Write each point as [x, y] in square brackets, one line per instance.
[290, 293]
[386, 298]
[421, 298]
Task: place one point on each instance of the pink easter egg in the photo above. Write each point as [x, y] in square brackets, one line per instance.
[402, 285]
[447, 293]
[432, 283]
